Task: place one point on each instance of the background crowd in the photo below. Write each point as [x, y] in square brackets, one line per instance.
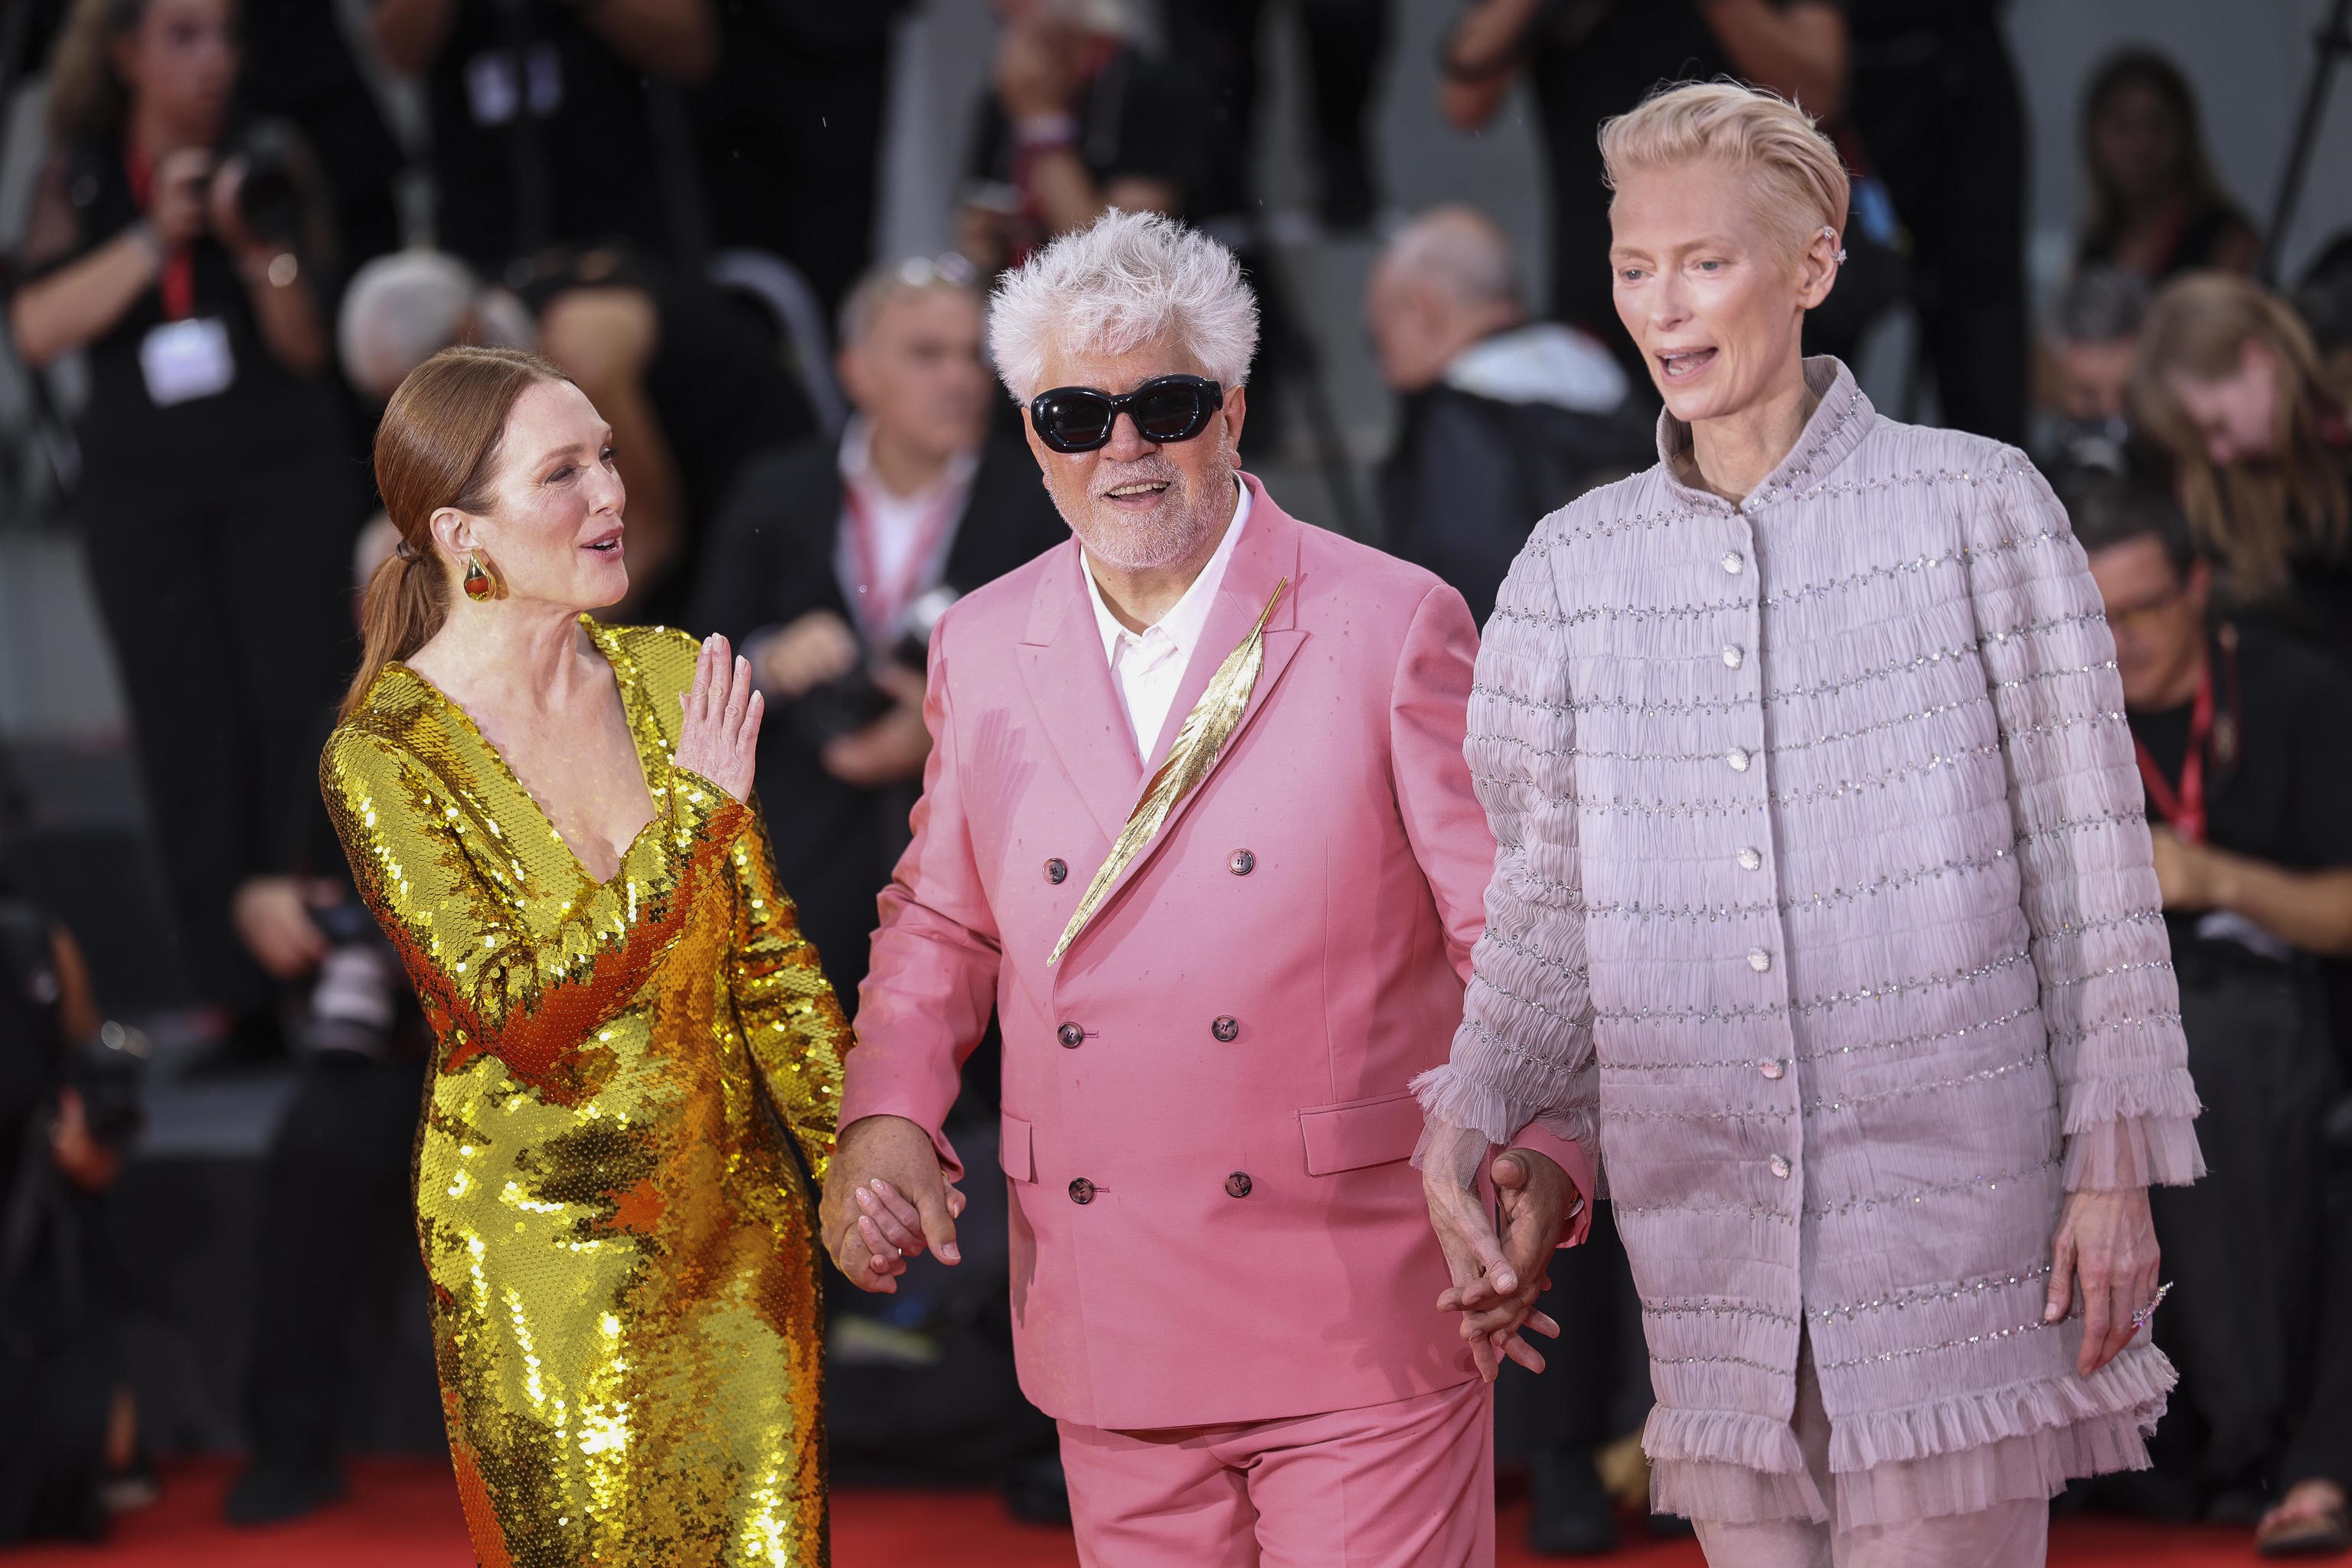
[238, 225]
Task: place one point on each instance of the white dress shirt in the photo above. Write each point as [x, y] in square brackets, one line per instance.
[898, 529]
[1146, 667]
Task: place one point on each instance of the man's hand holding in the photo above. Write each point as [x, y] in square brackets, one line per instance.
[894, 748]
[887, 1200]
[1495, 1278]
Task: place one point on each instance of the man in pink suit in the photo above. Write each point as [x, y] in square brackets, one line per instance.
[1225, 1286]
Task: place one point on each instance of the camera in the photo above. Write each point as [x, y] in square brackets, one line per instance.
[273, 199]
[847, 705]
[107, 1071]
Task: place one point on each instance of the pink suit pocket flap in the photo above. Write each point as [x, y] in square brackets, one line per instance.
[1360, 1133]
[1012, 1148]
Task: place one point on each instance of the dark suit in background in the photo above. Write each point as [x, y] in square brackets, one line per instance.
[769, 562]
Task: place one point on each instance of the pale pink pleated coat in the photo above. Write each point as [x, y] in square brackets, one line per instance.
[1823, 905]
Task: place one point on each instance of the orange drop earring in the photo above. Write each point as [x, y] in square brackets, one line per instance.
[480, 585]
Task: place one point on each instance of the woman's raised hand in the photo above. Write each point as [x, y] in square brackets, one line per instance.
[722, 720]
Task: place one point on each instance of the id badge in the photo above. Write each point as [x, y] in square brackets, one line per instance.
[184, 360]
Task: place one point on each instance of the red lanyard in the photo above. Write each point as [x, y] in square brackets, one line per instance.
[178, 283]
[878, 602]
[2184, 808]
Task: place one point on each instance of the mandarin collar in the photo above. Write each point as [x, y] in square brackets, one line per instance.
[1839, 422]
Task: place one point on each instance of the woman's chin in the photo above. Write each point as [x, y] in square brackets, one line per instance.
[607, 586]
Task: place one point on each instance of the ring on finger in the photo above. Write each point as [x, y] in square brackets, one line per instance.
[2141, 1316]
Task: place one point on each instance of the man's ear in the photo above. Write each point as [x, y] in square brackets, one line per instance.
[2199, 583]
[1236, 410]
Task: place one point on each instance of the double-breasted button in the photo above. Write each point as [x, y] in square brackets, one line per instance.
[1731, 561]
[1733, 656]
[1758, 960]
[1781, 1168]
[1241, 864]
[1071, 1035]
[1227, 1028]
[1770, 1068]
[1737, 758]
[1082, 1191]
[1237, 1185]
[1057, 870]
[1751, 859]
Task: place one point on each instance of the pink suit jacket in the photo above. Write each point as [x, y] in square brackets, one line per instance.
[1218, 1066]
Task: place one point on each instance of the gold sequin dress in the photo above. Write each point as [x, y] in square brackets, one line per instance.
[633, 1099]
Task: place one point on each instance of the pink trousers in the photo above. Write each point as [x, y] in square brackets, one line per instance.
[2006, 1535]
[1405, 1484]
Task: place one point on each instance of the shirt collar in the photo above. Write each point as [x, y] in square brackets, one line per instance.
[1186, 619]
[855, 463]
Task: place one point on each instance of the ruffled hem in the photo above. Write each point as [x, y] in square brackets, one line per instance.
[2036, 1466]
[1924, 1461]
[2134, 1151]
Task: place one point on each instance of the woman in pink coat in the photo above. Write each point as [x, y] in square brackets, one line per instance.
[1824, 906]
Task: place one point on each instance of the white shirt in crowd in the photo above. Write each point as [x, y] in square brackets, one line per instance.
[898, 528]
[1146, 667]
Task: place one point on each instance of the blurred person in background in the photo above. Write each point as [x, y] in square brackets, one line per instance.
[1935, 107]
[2087, 358]
[636, 1059]
[334, 1189]
[789, 131]
[2228, 381]
[553, 122]
[177, 245]
[691, 375]
[2157, 208]
[828, 566]
[1588, 61]
[69, 1446]
[2243, 750]
[1343, 44]
[1077, 118]
[1500, 421]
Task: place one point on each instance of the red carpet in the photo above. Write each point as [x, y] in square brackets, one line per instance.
[404, 1514]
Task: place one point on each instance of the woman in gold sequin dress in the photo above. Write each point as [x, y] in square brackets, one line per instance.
[634, 1089]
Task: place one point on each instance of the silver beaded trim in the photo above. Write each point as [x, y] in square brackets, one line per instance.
[1988, 1337]
[1901, 1300]
[1806, 1009]
[1870, 1203]
[1960, 557]
[1895, 879]
[2029, 1010]
[1986, 1075]
[1721, 1361]
[1708, 1307]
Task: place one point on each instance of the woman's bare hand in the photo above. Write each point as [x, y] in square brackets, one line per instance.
[2108, 1239]
[721, 735]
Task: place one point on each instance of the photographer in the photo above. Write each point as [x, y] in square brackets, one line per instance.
[2086, 369]
[69, 1103]
[179, 251]
[829, 564]
[334, 1220]
[2242, 751]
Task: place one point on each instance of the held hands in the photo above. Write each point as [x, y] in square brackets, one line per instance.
[721, 734]
[887, 1200]
[2108, 1240]
[1496, 1281]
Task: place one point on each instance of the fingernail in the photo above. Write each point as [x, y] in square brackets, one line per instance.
[949, 1254]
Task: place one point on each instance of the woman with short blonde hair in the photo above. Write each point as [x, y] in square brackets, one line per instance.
[2228, 382]
[1823, 911]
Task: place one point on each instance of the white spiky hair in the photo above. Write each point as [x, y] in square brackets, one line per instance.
[1122, 281]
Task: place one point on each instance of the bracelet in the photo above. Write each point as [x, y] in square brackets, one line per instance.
[1046, 130]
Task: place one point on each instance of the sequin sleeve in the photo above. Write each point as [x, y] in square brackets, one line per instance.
[1523, 1051]
[485, 984]
[2109, 995]
[791, 1018]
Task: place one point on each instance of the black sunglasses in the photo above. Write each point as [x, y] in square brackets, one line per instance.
[1165, 408]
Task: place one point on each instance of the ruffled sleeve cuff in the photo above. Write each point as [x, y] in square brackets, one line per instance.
[2134, 1151]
